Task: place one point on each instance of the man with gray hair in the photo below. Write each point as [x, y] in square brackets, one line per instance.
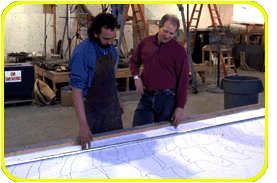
[163, 86]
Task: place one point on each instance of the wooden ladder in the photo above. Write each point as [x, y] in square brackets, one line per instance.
[138, 20]
[214, 15]
[196, 14]
[195, 25]
[230, 61]
[216, 21]
[83, 21]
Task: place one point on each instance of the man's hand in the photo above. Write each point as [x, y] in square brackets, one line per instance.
[177, 116]
[85, 136]
[139, 86]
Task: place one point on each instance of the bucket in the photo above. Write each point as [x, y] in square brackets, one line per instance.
[241, 90]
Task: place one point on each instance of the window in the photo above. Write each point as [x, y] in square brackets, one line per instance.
[247, 13]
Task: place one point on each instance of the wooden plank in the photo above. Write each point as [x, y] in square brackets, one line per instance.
[18, 101]
[258, 32]
[123, 73]
[199, 67]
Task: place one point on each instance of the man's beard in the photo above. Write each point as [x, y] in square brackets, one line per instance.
[97, 40]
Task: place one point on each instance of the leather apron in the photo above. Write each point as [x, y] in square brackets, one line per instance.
[102, 107]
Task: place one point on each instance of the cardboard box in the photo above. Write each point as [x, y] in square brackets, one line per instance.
[67, 98]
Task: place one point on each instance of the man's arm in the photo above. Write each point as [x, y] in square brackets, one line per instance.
[182, 68]
[85, 136]
[134, 65]
[134, 62]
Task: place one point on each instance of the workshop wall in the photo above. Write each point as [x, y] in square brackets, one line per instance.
[153, 12]
[24, 29]
[24, 25]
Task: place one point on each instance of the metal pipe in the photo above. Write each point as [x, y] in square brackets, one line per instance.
[54, 28]
[68, 31]
[188, 18]
[61, 51]
[120, 38]
[45, 36]
[194, 81]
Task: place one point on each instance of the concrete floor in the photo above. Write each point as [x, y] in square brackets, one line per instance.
[26, 125]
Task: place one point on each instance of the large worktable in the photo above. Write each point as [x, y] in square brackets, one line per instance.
[228, 144]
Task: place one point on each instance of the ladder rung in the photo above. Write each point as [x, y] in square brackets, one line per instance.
[229, 66]
[193, 26]
[138, 20]
[136, 11]
[134, 24]
[197, 11]
[214, 10]
[226, 49]
[195, 18]
[217, 17]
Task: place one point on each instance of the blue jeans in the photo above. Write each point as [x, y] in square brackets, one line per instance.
[155, 107]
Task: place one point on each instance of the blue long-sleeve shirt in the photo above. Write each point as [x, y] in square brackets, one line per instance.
[83, 64]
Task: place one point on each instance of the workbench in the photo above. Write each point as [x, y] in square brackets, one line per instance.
[55, 77]
[62, 77]
[248, 37]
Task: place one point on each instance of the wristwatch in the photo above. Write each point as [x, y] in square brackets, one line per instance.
[136, 77]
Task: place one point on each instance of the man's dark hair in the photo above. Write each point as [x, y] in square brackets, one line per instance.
[172, 18]
[106, 20]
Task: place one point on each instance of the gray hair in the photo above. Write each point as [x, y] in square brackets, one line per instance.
[172, 18]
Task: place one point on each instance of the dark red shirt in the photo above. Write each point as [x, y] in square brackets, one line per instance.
[165, 66]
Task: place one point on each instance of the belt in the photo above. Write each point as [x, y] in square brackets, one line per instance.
[154, 92]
